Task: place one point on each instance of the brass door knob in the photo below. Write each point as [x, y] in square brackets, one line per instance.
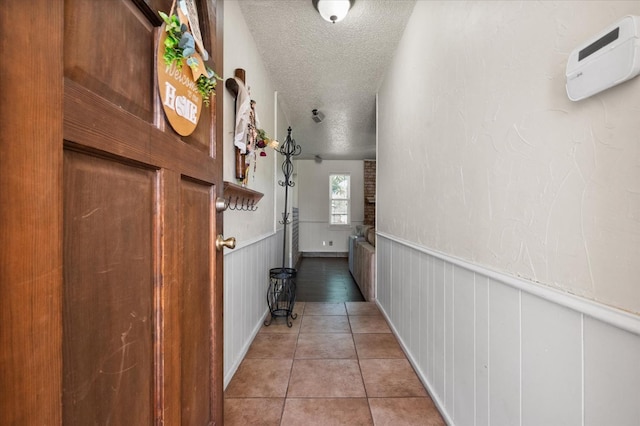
[228, 243]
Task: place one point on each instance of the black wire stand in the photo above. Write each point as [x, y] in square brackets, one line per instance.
[281, 294]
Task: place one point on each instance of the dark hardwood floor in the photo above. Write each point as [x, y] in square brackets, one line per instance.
[326, 279]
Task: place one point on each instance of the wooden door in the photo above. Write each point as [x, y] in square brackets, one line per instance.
[110, 283]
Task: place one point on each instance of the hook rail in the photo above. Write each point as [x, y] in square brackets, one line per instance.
[239, 198]
[242, 204]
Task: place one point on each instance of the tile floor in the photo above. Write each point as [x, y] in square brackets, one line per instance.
[338, 365]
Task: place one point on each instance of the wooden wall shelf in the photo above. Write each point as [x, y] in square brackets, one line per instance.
[238, 197]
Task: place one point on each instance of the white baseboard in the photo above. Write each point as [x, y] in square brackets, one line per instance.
[234, 367]
[421, 375]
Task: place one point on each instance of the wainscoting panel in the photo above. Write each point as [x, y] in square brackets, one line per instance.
[551, 377]
[463, 344]
[496, 350]
[312, 234]
[611, 375]
[246, 278]
[383, 259]
[438, 327]
[295, 235]
[481, 345]
[504, 354]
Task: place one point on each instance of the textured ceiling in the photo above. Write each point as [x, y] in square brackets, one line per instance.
[336, 68]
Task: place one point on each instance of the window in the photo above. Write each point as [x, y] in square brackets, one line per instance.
[339, 197]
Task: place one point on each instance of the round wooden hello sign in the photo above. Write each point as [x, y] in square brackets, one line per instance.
[181, 100]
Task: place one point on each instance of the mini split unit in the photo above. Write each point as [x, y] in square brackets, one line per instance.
[317, 116]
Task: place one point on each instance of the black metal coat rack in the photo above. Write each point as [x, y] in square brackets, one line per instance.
[281, 294]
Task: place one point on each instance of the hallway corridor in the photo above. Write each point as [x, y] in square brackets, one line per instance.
[326, 279]
[338, 365]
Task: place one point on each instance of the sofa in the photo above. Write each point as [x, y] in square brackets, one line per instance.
[362, 260]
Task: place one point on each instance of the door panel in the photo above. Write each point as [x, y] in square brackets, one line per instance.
[195, 304]
[108, 291]
[109, 49]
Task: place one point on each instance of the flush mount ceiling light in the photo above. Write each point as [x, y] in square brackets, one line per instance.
[333, 10]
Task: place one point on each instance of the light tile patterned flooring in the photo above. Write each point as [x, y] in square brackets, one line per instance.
[338, 365]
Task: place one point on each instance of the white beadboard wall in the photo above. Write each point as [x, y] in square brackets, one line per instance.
[496, 350]
[246, 278]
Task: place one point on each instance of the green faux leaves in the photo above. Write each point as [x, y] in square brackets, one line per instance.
[206, 85]
[178, 46]
[172, 51]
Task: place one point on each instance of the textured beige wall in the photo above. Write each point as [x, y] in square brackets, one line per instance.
[240, 52]
[482, 156]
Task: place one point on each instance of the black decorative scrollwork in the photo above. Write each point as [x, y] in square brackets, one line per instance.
[289, 149]
[281, 294]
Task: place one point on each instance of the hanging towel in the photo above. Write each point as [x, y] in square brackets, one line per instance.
[243, 107]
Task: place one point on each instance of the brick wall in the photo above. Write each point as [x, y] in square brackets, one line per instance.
[369, 192]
